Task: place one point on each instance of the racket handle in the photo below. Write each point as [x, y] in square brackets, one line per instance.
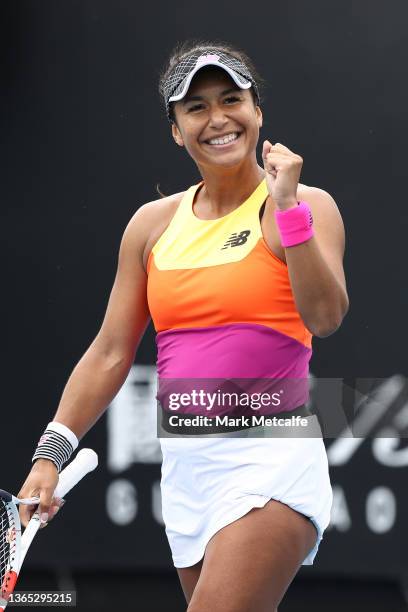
[85, 461]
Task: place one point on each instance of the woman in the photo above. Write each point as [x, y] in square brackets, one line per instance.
[237, 273]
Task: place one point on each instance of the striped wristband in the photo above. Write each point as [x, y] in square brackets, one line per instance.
[57, 444]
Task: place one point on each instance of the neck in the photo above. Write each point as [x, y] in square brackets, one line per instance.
[225, 189]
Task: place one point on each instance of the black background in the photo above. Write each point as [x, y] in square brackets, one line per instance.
[84, 144]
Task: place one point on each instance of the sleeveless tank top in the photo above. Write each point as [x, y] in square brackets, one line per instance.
[221, 301]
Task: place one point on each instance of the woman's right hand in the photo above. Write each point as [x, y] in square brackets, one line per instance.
[41, 482]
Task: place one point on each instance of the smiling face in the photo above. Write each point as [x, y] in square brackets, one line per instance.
[216, 121]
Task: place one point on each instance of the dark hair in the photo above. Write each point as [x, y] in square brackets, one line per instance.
[202, 46]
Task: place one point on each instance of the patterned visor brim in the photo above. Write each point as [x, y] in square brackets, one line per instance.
[179, 80]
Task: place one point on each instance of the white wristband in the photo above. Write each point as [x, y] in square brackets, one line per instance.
[64, 431]
[56, 444]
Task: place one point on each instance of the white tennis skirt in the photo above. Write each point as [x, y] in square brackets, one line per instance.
[210, 481]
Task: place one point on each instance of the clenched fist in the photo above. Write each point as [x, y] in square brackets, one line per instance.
[282, 173]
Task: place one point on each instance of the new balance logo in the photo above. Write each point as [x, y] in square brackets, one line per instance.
[236, 239]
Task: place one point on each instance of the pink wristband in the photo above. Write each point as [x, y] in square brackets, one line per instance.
[295, 224]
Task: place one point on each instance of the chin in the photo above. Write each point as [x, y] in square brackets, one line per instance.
[227, 160]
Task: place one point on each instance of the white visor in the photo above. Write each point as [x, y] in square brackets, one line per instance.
[237, 78]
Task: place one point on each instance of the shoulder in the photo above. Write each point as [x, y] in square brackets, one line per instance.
[327, 218]
[319, 200]
[148, 223]
[150, 213]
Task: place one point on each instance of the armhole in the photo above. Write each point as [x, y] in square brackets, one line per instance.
[273, 255]
[180, 211]
[261, 211]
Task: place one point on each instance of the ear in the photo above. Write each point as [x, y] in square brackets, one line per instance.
[176, 135]
[259, 116]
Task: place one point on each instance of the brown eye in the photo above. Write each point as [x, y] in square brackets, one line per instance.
[195, 107]
[232, 99]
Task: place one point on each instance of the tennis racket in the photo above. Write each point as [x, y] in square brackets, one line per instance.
[13, 545]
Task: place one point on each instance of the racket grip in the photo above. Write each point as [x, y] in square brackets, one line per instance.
[85, 461]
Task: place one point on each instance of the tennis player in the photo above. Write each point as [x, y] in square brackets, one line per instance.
[238, 273]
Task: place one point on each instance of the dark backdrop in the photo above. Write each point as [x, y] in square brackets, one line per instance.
[84, 143]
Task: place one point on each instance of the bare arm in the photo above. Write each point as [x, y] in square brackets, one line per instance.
[315, 267]
[102, 370]
[316, 270]
[100, 373]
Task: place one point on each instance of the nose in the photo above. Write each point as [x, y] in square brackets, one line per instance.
[217, 117]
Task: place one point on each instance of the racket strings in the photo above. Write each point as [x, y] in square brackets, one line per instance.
[7, 543]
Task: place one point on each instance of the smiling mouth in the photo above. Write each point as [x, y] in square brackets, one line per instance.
[224, 141]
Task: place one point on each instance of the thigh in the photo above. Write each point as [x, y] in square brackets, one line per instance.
[188, 578]
[249, 564]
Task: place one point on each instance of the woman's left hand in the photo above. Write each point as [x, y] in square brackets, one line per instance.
[282, 173]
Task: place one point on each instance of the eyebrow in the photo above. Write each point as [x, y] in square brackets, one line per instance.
[187, 99]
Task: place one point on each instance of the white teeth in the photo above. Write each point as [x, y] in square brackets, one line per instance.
[224, 139]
